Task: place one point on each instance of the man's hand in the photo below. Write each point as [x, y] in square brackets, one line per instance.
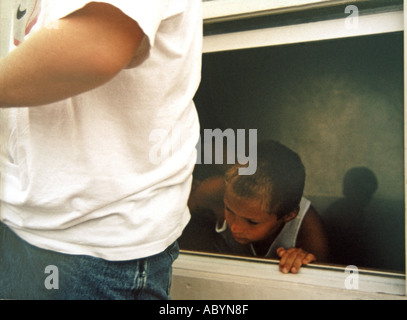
[293, 258]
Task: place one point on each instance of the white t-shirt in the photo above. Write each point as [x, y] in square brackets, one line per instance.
[107, 173]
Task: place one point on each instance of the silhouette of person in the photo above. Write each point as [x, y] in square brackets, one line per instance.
[345, 218]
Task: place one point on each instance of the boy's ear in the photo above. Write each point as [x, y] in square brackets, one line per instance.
[291, 215]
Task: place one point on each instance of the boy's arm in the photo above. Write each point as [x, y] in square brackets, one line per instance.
[86, 49]
[312, 245]
[312, 236]
[208, 194]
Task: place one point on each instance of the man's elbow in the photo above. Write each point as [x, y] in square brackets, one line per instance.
[108, 39]
[106, 65]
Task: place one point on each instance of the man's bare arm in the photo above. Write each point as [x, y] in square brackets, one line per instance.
[86, 49]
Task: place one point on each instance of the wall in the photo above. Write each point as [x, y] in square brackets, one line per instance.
[337, 103]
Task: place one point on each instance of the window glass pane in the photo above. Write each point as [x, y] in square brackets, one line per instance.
[339, 105]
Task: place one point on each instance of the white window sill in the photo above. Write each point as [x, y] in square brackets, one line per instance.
[215, 277]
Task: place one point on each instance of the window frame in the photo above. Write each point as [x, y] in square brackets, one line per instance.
[199, 269]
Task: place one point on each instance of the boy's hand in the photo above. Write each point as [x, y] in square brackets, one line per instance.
[293, 258]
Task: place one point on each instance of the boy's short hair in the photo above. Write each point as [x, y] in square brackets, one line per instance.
[278, 182]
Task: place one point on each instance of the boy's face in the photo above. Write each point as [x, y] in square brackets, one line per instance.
[247, 221]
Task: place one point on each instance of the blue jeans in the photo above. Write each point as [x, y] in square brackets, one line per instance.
[31, 273]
